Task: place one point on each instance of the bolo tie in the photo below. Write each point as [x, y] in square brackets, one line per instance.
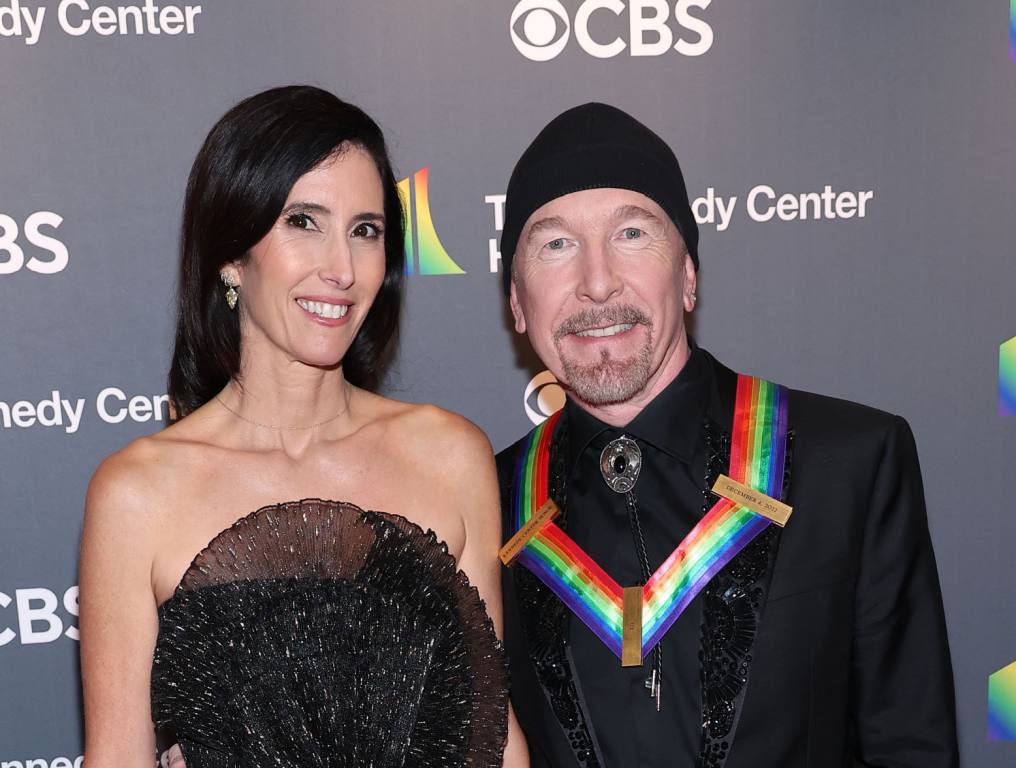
[620, 463]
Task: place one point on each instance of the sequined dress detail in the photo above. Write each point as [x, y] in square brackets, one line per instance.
[321, 635]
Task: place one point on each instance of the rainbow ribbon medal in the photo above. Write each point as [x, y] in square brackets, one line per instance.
[757, 456]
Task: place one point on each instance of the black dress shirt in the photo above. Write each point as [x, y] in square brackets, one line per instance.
[669, 498]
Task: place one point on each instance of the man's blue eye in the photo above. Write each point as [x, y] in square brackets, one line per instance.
[632, 233]
[556, 245]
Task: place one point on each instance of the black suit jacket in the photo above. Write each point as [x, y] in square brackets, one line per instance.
[849, 663]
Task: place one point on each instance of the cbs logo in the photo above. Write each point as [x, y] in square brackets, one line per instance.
[543, 397]
[12, 255]
[540, 29]
[36, 617]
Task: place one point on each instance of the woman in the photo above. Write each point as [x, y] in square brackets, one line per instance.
[304, 632]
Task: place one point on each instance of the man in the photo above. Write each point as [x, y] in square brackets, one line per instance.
[817, 644]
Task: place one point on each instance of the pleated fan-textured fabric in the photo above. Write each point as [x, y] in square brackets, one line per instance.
[321, 635]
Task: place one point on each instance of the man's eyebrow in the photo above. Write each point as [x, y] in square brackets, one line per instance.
[636, 212]
[550, 222]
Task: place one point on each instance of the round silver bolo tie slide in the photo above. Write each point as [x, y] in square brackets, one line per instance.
[620, 462]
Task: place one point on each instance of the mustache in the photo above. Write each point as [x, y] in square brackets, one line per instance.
[601, 317]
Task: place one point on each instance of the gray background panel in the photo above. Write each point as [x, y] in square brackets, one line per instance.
[903, 309]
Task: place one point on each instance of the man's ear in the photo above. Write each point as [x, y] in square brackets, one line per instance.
[513, 302]
[690, 283]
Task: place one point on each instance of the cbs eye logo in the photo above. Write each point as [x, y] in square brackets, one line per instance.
[540, 29]
[543, 397]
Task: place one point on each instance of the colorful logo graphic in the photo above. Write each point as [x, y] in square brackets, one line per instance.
[1012, 30]
[1007, 376]
[429, 257]
[543, 397]
[1002, 704]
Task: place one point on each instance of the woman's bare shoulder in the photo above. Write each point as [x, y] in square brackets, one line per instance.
[120, 516]
[127, 473]
[135, 480]
[427, 430]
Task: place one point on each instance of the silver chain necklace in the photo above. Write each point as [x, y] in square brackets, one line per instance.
[276, 427]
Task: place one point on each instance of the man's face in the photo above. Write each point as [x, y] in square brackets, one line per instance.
[601, 282]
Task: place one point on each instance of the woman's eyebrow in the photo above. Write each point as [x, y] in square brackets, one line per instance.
[305, 206]
[368, 216]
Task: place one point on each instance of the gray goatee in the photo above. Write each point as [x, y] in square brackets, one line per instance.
[610, 380]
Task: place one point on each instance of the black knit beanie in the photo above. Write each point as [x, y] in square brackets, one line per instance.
[592, 147]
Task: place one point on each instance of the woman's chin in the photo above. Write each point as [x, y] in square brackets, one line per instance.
[323, 363]
[326, 360]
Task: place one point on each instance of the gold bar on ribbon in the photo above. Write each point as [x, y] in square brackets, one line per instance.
[756, 501]
[514, 545]
[631, 627]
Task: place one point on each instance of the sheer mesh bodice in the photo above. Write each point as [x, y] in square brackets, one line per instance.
[317, 634]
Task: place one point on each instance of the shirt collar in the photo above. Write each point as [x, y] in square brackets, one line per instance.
[671, 422]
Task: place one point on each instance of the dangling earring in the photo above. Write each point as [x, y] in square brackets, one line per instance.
[231, 295]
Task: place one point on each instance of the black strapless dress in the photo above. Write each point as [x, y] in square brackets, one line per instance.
[315, 634]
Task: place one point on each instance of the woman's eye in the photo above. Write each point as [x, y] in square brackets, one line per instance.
[300, 221]
[632, 233]
[367, 230]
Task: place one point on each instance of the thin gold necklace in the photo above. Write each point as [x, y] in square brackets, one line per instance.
[273, 426]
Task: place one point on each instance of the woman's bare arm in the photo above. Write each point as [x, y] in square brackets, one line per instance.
[118, 617]
[478, 501]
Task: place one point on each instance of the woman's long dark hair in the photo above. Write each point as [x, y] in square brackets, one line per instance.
[236, 191]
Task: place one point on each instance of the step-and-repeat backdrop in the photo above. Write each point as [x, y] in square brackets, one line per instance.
[853, 167]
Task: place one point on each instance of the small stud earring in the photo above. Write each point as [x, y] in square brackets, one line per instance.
[231, 295]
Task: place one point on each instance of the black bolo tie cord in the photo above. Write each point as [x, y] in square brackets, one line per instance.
[655, 682]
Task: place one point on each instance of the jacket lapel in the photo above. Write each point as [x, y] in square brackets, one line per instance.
[545, 621]
[732, 603]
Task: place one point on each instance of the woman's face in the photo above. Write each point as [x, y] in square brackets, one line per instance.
[308, 284]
